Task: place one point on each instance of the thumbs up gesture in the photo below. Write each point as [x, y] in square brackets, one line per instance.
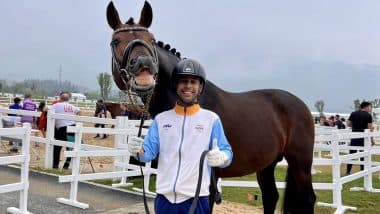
[135, 146]
[215, 157]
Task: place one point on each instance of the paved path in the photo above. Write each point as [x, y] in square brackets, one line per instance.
[44, 189]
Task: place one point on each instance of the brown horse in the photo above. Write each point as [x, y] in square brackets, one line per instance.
[115, 110]
[262, 126]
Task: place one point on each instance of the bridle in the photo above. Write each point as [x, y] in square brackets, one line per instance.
[127, 66]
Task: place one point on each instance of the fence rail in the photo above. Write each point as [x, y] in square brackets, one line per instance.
[332, 141]
[23, 159]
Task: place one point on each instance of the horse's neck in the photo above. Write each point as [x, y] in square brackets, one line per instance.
[164, 97]
[212, 96]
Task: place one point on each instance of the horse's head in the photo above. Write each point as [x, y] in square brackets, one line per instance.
[134, 55]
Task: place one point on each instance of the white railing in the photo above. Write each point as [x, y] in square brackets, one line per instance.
[127, 170]
[334, 142]
[23, 159]
[122, 169]
[334, 137]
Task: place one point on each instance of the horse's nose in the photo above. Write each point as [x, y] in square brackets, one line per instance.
[144, 60]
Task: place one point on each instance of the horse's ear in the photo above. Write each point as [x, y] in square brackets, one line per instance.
[146, 15]
[113, 16]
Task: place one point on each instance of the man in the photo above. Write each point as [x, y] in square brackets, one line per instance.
[339, 123]
[359, 121]
[101, 111]
[179, 136]
[16, 105]
[62, 107]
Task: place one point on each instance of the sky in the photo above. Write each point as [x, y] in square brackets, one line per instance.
[317, 50]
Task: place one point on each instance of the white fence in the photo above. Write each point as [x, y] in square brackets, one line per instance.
[336, 146]
[23, 159]
[122, 169]
[338, 156]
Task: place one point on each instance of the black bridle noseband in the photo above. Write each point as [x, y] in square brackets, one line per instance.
[127, 67]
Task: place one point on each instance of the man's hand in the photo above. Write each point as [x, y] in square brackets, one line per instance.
[135, 146]
[215, 157]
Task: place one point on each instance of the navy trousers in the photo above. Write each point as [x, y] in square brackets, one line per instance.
[164, 206]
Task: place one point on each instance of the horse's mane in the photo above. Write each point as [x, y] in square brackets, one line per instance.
[167, 47]
[159, 43]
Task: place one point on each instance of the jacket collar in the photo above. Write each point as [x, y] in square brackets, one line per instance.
[190, 110]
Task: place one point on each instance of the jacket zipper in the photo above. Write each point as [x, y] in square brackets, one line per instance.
[179, 156]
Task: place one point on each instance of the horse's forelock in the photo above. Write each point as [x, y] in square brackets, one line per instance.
[130, 21]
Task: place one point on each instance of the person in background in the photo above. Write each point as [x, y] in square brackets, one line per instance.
[359, 121]
[323, 121]
[331, 121]
[16, 105]
[124, 110]
[42, 120]
[28, 105]
[101, 111]
[63, 107]
[338, 122]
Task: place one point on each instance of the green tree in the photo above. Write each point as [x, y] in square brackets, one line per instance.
[320, 105]
[105, 84]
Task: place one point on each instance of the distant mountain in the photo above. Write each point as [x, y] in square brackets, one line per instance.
[40, 87]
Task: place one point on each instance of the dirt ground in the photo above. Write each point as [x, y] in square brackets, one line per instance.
[104, 164]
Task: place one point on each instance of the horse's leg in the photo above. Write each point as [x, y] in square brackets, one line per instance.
[268, 187]
[299, 193]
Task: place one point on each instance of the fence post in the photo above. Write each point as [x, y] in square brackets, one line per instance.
[50, 136]
[25, 168]
[367, 163]
[118, 138]
[75, 172]
[337, 191]
[76, 163]
[121, 143]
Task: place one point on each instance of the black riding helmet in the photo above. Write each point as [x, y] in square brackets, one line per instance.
[188, 67]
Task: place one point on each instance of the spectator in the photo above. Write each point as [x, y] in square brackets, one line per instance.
[338, 122]
[323, 121]
[101, 111]
[331, 121]
[42, 121]
[359, 121]
[16, 105]
[124, 110]
[28, 105]
[63, 107]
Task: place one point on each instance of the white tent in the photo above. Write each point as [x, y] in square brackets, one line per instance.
[78, 97]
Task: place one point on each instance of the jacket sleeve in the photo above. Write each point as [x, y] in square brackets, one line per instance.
[218, 134]
[151, 144]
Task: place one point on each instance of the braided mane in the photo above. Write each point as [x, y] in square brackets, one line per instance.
[167, 47]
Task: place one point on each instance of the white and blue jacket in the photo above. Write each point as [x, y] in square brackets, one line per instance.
[179, 136]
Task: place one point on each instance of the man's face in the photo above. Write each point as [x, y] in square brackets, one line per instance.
[188, 88]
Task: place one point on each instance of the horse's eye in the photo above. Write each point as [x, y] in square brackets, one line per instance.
[132, 61]
[115, 42]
